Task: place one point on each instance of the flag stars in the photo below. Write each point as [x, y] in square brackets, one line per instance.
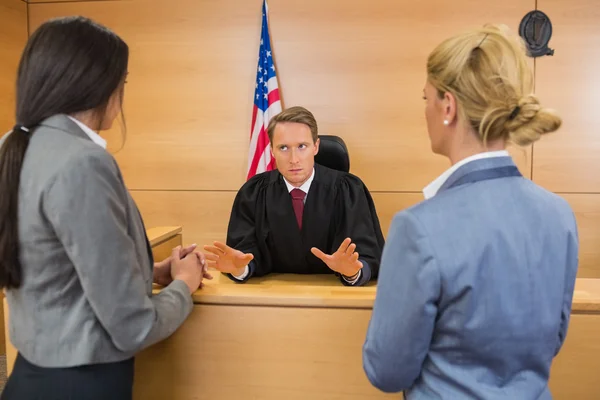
[266, 96]
[268, 54]
[260, 69]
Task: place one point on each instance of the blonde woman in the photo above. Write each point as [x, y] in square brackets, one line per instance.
[476, 282]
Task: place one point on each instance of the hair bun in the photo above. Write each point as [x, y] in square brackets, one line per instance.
[530, 121]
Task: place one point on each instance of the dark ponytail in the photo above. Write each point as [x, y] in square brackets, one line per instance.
[69, 65]
[12, 154]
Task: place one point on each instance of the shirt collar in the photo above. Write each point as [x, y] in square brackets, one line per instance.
[92, 135]
[431, 190]
[304, 186]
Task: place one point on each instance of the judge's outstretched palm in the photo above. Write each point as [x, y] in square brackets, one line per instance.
[227, 259]
[344, 260]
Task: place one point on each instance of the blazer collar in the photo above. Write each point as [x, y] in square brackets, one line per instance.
[63, 123]
[477, 165]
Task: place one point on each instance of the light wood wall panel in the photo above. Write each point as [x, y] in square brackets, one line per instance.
[363, 75]
[587, 212]
[61, 1]
[266, 353]
[581, 349]
[204, 215]
[188, 102]
[192, 68]
[569, 160]
[359, 67]
[13, 35]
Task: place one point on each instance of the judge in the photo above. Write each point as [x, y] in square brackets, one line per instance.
[302, 218]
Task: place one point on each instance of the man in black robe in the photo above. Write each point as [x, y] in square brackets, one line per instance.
[302, 218]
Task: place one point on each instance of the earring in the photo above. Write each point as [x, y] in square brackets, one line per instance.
[446, 122]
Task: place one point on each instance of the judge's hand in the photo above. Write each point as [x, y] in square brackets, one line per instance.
[162, 269]
[344, 260]
[227, 259]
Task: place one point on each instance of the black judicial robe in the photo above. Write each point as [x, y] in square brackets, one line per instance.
[338, 205]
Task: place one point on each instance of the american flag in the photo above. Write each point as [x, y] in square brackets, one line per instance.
[266, 103]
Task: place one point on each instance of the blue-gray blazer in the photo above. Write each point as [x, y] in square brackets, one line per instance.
[475, 289]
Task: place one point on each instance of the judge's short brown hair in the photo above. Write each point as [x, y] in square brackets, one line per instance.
[296, 114]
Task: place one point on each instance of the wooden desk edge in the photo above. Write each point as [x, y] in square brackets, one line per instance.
[586, 298]
[581, 307]
[284, 301]
[161, 234]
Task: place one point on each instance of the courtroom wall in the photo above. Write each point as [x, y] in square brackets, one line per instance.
[359, 66]
[13, 35]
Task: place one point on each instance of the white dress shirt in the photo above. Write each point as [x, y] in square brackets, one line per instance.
[431, 190]
[93, 135]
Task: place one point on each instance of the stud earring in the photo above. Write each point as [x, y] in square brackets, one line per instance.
[446, 122]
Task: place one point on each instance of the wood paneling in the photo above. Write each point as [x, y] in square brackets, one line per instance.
[189, 100]
[388, 204]
[585, 206]
[568, 160]
[204, 215]
[13, 36]
[587, 212]
[574, 373]
[61, 1]
[365, 77]
[9, 349]
[163, 250]
[267, 353]
[306, 353]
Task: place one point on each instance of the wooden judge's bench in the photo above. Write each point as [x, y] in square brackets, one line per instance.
[300, 337]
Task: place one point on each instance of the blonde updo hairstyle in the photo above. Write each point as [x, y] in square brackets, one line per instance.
[488, 73]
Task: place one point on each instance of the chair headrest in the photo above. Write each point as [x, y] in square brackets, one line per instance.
[333, 153]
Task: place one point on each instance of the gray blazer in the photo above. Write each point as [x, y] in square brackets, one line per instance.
[86, 295]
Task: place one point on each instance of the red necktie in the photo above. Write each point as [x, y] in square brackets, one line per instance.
[298, 203]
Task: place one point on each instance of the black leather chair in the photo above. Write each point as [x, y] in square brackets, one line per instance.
[333, 153]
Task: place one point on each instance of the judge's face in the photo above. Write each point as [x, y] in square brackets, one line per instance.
[294, 151]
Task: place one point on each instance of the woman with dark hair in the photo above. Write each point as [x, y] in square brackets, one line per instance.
[74, 258]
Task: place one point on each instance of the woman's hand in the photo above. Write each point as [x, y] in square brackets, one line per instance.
[162, 270]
